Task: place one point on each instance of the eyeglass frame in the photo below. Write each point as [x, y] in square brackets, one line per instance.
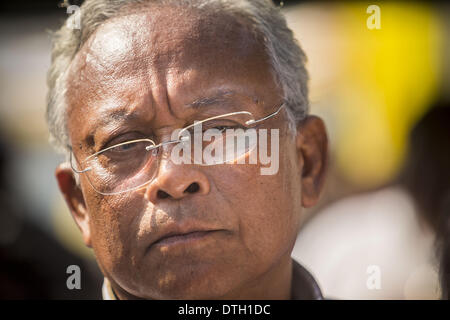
[162, 144]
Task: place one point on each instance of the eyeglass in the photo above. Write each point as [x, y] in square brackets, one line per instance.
[131, 165]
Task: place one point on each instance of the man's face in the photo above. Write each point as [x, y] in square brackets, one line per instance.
[137, 77]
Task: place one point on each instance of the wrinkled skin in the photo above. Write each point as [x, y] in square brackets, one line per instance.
[148, 67]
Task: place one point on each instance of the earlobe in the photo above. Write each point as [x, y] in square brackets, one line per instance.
[312, 149]
[74, 198]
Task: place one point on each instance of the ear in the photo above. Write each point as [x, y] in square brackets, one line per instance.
[312, 150]
[74, 199]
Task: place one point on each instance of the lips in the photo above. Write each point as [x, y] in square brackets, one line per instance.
[186, 237]
[177, 234]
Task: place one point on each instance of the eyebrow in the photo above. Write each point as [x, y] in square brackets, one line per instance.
[113, 116]
[121, 114]
[222, 96]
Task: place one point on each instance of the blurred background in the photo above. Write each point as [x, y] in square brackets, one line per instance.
[383, 89]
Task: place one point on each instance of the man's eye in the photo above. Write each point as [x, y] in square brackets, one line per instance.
[119, 143]
[224, 128]
[125, 147]
[133, 149]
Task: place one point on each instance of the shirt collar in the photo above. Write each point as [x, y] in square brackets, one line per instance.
[304, 286]
[107, 291]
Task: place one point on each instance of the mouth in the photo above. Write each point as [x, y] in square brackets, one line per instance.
[188, 238]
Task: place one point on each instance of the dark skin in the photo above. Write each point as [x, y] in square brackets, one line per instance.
[148, 67]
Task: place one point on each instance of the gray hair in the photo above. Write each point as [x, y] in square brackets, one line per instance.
[286, 57]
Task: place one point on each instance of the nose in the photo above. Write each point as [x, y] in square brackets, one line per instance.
[177, 182]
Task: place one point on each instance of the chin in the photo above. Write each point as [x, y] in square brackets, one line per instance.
[188, 283]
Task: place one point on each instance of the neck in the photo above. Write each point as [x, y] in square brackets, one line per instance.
[274, 284]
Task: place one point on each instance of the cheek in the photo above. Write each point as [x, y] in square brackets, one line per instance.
[266, 207]
[270, 227]
[113, 223]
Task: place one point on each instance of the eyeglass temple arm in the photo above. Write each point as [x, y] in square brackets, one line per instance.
[249, 122]
[71, 164]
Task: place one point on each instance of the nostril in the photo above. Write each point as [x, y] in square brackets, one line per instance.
[162, 194]
[193, 188]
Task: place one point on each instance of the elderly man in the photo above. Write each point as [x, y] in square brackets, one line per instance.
[141, 79]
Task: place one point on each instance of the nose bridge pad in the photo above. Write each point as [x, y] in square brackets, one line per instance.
[164, 153]
[154, 152]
